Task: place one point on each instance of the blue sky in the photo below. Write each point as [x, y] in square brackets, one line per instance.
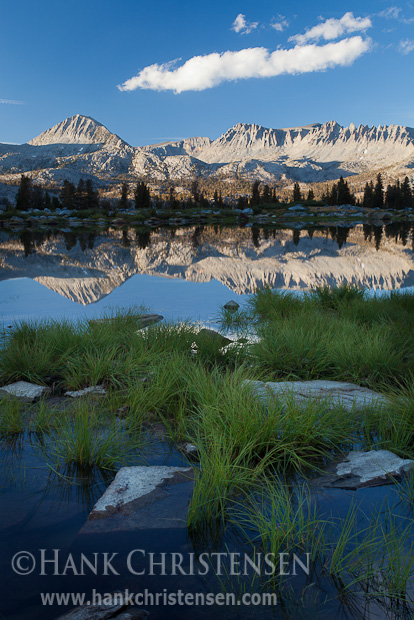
[63, 58]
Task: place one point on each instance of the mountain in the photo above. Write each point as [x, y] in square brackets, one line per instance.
[79, 130]
[82, 147]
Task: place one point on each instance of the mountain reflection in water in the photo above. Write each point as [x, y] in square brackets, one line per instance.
[85, 266]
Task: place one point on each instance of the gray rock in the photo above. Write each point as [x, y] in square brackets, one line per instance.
[334, 393]
[116, 611]
[189, 449]
[94, 389]
[213, 336]
[143, 498]
[365, 469]
[25, 390]
[231, 305]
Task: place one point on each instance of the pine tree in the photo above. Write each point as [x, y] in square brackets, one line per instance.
[266, 194]
[255, 199]
[406, 194]
[68, 195]
[47, 201]
[37, 198]
[368, 201]
[195, 190]
[80, 196]
[297, 196]
[91, 197]
[311, 195]
[123, 201]
[379, 193]
[24, 194]
[142, 196]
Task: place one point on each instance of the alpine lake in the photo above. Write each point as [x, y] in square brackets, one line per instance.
[346, 553]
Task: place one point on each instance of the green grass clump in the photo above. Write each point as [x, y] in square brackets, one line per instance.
[336, 335]
[84, 439]
[332, 298]
[12, 419]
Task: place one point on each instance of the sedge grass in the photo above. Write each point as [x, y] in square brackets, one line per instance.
[83, 439]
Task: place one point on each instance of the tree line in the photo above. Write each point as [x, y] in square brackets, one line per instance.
[83, 196]
[397, 196]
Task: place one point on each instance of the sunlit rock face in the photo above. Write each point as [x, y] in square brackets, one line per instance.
[82, 147]
[85, 268]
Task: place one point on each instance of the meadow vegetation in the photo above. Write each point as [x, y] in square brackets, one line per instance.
[253, 465]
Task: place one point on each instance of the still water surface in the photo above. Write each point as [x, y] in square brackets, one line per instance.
[179, 273]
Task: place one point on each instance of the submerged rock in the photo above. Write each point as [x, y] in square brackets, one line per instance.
[143, 498]
[103, 611]
[189, 449]
[25, 390]
[333, 393]
[94, 389]
[365, 469]
[144, 320]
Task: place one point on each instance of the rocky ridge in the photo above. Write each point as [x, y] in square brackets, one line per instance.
[82, 147]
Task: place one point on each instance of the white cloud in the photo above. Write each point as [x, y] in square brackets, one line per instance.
[406, 46]
[393, 12]
[280, 23]
[333, 28]
[202, 72]
[11, 101]
[242, 26]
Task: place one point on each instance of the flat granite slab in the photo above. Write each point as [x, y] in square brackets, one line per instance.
[25, 390]
[335, 393]
[143, 498]
[360, 469]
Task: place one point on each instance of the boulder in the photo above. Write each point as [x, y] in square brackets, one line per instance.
[231, 305]
[143, 498]
[212, 336]
[25, 390]
[364, 469]
[334, 393]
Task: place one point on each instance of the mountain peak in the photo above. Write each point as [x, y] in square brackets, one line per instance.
[78, 129]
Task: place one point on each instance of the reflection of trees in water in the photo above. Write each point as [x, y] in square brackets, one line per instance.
[32, 239]
[367, 228]
[195, 237]
[70, 238]
[400, 232]
[310, 232]
[26, 237]
[126, 241]
[143, 237]
[91, 240]
[339, 234]
[377, 236]
[296, 236]
[405, 231]
[256, 236]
